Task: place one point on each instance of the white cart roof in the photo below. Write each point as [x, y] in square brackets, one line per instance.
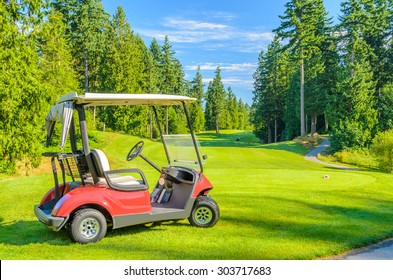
[108, 99]
[63, 110]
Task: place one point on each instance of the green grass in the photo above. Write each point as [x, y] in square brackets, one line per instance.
[274, 205]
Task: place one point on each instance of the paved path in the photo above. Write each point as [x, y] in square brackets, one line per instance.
[379, 251]
[313, 156]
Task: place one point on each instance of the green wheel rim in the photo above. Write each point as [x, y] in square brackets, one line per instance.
[203, 215]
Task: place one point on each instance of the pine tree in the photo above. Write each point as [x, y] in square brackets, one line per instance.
[377, 34]
[172, 82]
[209, 121]
[232, 109]
[244, 115]
[124, 70]
[355, 116]
[196, 112]
[215, 102]
[225, 114]
[167, 66]
[257, 116]
[292, 105]
[22, 96]
[317, 72]
[299, 26]
[155, 51]
[271, 86]
[56, 64]
[86, 22]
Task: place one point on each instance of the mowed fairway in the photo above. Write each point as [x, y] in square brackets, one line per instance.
[274, 205]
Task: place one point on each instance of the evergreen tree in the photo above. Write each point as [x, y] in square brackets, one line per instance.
[209, 121]
[56, 64]
[355, 117]
[328, 80]
[196, 112]
[232, 110]
[168, 66]
[317, 73]
[257, 116]
[292, 105]
[124, 71]
[215, 102]
[21, 93]
[299, 25]
[171, 81]
[225, 114]
[86, 22]
[377, 34]
[271, 86]
[155, 50]
[244, 115]
[385, 105]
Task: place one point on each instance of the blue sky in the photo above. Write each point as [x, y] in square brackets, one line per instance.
[211, 33]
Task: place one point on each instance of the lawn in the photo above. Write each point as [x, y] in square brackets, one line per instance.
[274, 205]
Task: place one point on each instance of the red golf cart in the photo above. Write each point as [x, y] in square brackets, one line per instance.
[88, 197]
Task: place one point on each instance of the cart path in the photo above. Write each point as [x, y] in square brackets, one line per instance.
[313, 156]
[379, 251]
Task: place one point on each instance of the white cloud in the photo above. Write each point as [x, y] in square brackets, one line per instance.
[247, 83]
[257, 36]
[192, 24]
[207, 80]
[237, 67]
[215, 35]
[233, 82]
[185, 36]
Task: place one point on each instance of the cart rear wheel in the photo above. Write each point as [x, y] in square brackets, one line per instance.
[205, 212]
[88, 225]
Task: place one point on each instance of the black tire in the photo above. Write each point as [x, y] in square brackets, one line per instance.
[205, 212]
[88, 225]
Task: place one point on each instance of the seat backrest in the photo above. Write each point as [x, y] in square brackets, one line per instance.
[100, 161]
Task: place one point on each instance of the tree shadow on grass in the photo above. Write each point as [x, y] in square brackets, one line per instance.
[244, 140]
[292, 147]
[238, 139]
[21, 233]
[349, 227]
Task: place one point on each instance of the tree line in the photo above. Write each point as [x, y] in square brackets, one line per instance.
[49, 48]
[317, 76]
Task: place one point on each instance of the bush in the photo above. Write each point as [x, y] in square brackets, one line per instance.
[350, 135]
[357, 157]
[382, 148]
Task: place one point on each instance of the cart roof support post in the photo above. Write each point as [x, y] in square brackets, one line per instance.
[193, 137]
[85, 142]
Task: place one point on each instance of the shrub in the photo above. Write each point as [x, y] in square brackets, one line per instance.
[382, 148]
[357, 157]
[350, 135]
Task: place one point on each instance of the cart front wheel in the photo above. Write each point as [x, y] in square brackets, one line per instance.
[205, 212]
[88, 225]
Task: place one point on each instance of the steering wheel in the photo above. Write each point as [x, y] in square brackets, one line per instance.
[135, 151]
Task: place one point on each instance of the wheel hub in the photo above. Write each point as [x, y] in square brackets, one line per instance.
[203, 215]
[89, 228]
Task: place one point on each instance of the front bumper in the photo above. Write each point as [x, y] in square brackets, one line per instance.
[45, 217]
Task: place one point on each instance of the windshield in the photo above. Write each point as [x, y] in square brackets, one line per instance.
[181, 150]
